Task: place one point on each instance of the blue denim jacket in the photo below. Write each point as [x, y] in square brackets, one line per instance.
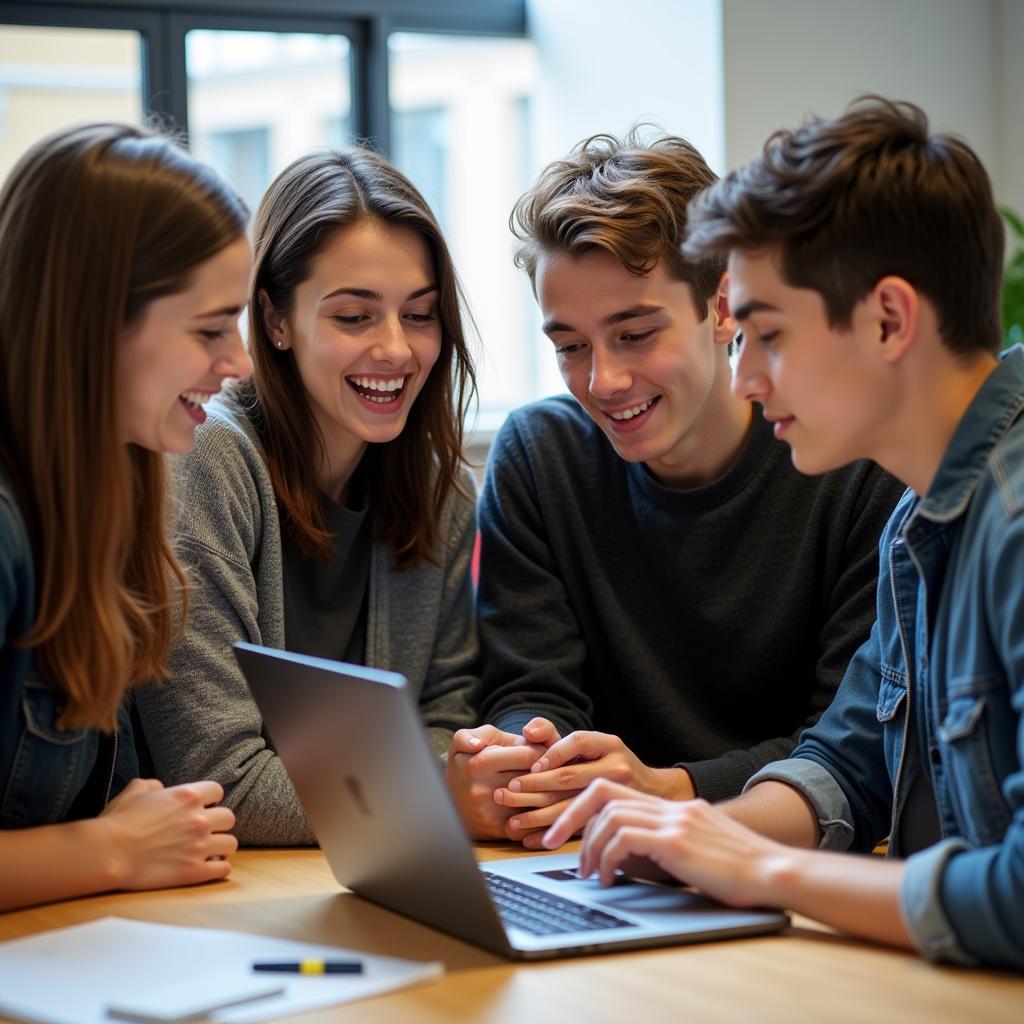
[939, 687]
[42, 768]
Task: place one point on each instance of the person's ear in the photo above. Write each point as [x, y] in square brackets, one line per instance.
[274, 323]
[896, 313]
[725, 327]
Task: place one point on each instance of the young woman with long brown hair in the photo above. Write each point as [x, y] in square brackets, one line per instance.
[123, 269]
[330, 511]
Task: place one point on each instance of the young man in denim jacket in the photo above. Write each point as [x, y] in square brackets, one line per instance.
[865, 260]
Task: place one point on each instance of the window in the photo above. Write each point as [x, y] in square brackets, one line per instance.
[419, 148]
[258, 100]
[257, 84]
[460, 109]
[53, 77]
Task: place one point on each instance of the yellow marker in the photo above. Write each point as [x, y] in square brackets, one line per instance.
[311, 966]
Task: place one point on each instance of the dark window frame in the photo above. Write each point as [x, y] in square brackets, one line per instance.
[179, 25]
[163, 24]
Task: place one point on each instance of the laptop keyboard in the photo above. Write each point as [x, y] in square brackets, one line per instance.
[540, 913]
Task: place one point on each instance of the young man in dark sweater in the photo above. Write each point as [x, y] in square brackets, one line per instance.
[659, 585]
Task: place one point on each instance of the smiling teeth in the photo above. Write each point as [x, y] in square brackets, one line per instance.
[628, 414]
[196, 398]
[375, 384]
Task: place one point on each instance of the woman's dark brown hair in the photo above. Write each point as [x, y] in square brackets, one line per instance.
[95, 222]
[848, 200]
[412, 476]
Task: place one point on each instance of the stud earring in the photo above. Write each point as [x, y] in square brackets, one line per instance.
[279, 343]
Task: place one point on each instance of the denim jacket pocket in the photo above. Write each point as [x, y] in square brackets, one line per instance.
[891, 691]
[892, 694]
[50, 765]
[967, 760]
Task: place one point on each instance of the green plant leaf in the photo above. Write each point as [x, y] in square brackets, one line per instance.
[1013, 282]
[1013, 219]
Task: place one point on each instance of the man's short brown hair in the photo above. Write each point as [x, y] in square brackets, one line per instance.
[847, 200]
[625, 197]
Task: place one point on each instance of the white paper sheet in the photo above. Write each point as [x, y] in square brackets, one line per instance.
[71, 975]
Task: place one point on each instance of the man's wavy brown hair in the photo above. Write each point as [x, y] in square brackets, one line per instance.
[626, 197]
[96, 222]
[848, 200]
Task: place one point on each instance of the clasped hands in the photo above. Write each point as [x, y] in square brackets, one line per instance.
[515, 787]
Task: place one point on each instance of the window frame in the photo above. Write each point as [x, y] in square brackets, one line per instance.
[153, 72]
[163, 24]
[179, 25]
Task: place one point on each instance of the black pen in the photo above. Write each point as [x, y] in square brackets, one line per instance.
[310, 966]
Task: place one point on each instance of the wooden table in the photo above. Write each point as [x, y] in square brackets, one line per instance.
[806, 974]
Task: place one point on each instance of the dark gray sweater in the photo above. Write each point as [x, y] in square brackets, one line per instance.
[706, 627]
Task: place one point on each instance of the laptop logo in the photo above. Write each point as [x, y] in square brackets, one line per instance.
[356, 789]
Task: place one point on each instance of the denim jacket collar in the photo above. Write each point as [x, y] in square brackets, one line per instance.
[998, 402]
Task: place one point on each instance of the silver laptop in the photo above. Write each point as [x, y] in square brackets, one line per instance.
[352, 742]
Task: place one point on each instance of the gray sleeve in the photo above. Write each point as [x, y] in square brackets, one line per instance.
[921, 908]
[822, 792]
[203, 723]
[532, 648]
[448, 700]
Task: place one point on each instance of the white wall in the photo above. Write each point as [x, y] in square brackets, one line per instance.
[605, 64]
[726, 73]
[1008, 169]
[958, 59]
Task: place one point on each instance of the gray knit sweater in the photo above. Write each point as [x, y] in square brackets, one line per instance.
[203, 724]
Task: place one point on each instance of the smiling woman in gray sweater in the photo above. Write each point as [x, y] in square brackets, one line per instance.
[326, 509]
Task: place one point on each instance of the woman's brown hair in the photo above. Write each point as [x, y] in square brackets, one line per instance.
[412, 476]
[95, 222]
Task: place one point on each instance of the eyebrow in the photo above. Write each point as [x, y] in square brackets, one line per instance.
[226, 311]
[753, 306]
[366, 293]
[554, 326]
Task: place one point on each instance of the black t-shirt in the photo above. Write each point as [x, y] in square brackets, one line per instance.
[92, 797]
[325, 602]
